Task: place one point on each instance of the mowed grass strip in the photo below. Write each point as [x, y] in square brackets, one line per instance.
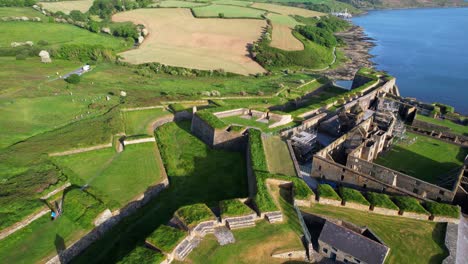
[138, 122]
[227, 11]
[56, 34]
[278, 157]
[120, 176]
[410, 241]
[67, 6]
[178, 39]
[287, 10]
[423, 157]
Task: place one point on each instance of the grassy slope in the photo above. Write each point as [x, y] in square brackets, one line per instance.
[197, 174]
[278, 157]
[138, 122]
[121, 176]
[425, 159]
[56, 34]
[228, 11]
[454, 128]
[410, 241]
[283, 20]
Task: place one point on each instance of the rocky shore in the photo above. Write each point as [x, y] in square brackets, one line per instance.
[357, 53]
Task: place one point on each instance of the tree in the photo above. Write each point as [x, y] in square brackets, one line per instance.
[73, 79]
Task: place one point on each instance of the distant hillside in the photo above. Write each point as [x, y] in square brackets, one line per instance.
[370, 4]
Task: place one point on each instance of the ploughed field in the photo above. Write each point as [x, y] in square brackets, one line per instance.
[176, 38]
[67, 6]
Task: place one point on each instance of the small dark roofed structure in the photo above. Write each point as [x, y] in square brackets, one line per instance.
[345, 245]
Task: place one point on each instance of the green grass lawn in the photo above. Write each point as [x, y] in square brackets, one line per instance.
[232, 2]
[245, 122]
[454, 128]
[56, 34]
[229, 11]
[425, 159]
[139, 122]
[278, 157]
[20, 11]
[120, 176]
[197, 174]
[410, 241]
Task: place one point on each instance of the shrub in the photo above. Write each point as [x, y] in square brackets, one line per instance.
[221, 15]
[351, 195]
[166, 238]
[73, 79]
[409, 204]
[326, 191]
[441, 209]
[42, 42]
[381, 200]
[83, 53]
[21, 56]
[234, 207]
[191, 215]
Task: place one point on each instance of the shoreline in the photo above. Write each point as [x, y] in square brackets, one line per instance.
[357, 48]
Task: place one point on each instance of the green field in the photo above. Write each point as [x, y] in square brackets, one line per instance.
[425, 159]
[232, 2]
[237, 120]
[20, 11]
[120, 176]
[454, 128]
[278, 157]
[283, 20]
[229, 11]
[138, 122]
[196, 174]
[56, 35]
[177, 3]
[410, 241]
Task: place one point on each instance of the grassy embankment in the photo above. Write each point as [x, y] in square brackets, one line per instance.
[410, 241]
[454, 128]
[426, 158]
[278, 157]
[139, 122]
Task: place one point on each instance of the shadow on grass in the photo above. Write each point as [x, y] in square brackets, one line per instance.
[211, 179]
[438, 235]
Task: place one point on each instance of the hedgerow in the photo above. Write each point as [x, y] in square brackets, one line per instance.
[234, 207]
[166, 238]
[381, 200]
[351, 195]
[409, 204]
[440, 209]
[191, 215]
[257, 152]
[326, 191]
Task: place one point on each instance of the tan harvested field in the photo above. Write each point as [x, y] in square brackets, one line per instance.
[282, 38]
[67, 6]
[287, 10]
[178, 39]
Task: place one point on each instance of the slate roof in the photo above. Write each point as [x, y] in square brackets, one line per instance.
[352, 243]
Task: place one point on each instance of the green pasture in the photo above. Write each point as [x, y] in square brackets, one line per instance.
[56, 34]
[426, 159]
[138, 122]
[229, 11]
[120, 176]
[232, 2]
[21, 11]
[410, 241]
[283, 20]
[278, 157]
[177, 3]
[197, 174]
[454, 128]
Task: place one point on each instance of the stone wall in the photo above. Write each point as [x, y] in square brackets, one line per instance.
[202, 130]
[327, 201]
[384, 211]
[451, 238]
[138, 141]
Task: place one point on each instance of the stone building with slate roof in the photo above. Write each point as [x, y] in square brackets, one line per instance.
[342, 244]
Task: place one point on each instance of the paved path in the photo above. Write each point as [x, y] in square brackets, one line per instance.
[79, 71]
[462, 244]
